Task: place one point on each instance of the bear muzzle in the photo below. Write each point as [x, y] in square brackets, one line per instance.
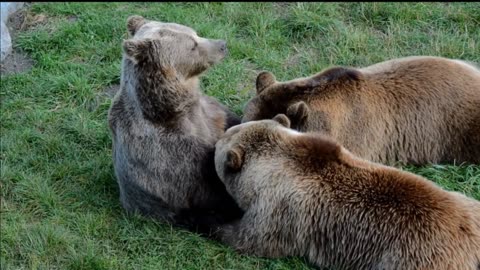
[217, 51]
[221, 47]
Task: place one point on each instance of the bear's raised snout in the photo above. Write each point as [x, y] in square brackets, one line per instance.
[222, 45]
[217, 50]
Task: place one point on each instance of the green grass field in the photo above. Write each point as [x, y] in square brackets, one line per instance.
[59, 199]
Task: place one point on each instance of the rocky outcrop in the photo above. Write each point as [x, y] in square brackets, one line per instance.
[7, 9]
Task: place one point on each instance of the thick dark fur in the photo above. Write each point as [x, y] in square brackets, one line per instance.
[416, 110]
[305, 195]
[164, 129]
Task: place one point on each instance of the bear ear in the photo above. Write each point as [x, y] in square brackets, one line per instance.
[264, 80]
[134, 23]
[282, 119]
[235, 158]
[298, 111]
[136, 50]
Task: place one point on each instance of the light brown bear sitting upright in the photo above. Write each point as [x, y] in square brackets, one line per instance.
[414, 110]
[164, 129]
[305, 195]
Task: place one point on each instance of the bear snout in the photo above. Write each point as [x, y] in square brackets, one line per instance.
[222, 44]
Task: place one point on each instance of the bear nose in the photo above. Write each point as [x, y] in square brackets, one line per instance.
[223, 45]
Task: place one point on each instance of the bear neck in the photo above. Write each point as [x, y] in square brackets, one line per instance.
[163, 97]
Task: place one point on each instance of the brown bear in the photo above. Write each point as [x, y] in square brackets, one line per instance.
[164, 129]
[415, 110]
[305, 195]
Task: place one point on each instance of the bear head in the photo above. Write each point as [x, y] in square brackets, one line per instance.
[292, 97]
[170, 48]
[252, 156]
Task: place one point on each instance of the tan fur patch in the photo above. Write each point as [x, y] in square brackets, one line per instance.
[305, 195]
[416, 110]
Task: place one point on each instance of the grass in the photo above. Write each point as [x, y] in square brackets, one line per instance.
[59, 198]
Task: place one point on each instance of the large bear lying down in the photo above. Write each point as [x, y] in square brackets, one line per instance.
[305, 195]
[410, 110]
[164, 129]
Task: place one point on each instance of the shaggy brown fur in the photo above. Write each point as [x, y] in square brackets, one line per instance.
[410, 110]
[305, 195]
[164, 129]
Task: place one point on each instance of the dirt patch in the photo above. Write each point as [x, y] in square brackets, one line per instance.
[15, 63]
[22, 20]
[33, 21]
[16, 21]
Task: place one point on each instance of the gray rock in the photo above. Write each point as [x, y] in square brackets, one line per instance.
[6, 9]
[5, 41]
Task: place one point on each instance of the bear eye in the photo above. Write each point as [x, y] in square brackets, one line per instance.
[195, 45]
